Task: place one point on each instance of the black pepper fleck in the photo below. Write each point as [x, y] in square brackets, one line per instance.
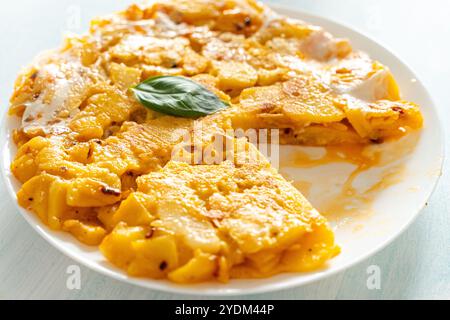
[398, 109]
[149, 234]
[34, 75]
[90, 151]
[110, 191]
[377, 140]
[163, 265]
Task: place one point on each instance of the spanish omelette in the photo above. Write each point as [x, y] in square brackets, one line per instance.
[97, 164]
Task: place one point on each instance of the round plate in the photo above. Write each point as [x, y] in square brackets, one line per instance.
[377, 220]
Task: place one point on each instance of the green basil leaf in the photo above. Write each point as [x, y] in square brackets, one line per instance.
[177, 96]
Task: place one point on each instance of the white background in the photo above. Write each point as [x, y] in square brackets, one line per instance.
[415, 266]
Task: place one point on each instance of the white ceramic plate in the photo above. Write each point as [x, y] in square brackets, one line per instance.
[378, 219]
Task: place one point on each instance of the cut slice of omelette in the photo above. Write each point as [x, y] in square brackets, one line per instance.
[219, 221]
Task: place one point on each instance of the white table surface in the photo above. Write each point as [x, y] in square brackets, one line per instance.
[415, 266]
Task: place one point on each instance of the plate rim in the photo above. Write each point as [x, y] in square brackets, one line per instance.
[295, 281]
